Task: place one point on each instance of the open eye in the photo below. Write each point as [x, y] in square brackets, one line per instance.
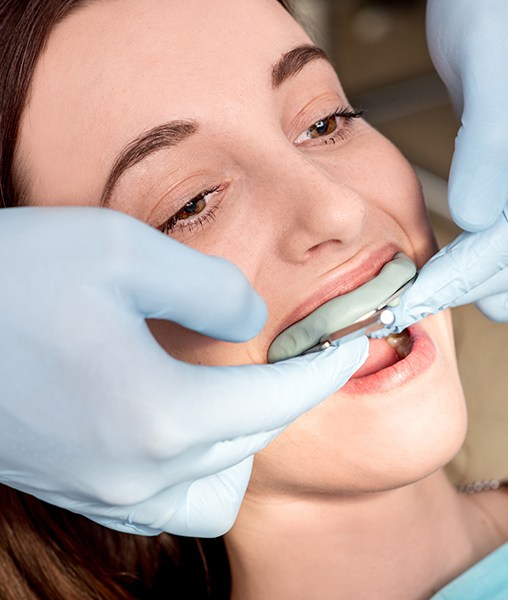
[330, 128]
[323, 127]
[194, 207]
[194, 212]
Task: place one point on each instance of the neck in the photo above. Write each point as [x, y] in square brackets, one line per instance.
[411, 541]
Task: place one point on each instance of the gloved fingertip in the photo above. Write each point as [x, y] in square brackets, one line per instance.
[495, 307]
[255, 315]
[326, 365]
[469, 216]
[243, 310]
[350, 356]
[477, 194]
[361, 347]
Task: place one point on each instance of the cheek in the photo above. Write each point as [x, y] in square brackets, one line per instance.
[387, 179]
[197, 349]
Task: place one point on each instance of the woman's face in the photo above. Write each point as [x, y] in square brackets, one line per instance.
[247, 161]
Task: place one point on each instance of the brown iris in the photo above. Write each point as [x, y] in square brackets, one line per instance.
[323, 127]
[194, 207]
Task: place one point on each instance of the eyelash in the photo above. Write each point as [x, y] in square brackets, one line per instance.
[339, 133]
[174, 224]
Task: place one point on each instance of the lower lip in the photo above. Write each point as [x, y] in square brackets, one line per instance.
[422, 355]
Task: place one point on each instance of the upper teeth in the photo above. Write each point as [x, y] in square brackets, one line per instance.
[343, 310]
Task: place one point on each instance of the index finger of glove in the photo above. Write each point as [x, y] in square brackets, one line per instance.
[259, 398]
[164, 279]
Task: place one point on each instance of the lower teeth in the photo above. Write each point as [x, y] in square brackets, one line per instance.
[400, 342]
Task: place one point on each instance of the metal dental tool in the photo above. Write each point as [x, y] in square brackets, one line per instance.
[374, 320]
[345, 310]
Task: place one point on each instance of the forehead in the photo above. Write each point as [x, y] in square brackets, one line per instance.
[118, 67]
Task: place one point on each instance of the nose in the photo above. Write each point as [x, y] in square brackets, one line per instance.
[320, 210]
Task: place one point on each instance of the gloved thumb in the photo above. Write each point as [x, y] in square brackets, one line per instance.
[478, 185]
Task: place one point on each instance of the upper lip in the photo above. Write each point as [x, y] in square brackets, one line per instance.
[341, 282]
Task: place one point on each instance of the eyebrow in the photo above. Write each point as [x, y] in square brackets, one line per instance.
[292, 62]
[172, 133]
[162, 136]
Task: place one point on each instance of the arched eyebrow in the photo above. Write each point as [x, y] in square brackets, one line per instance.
[172, 133]
[162, 136]
[293, 61]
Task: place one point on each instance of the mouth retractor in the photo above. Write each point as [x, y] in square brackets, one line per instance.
[344, 311]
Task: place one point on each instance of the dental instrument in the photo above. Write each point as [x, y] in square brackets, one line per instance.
[347, 314]
[379, 320]
[373, 321]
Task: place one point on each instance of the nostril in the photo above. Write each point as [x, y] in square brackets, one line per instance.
[324, 246]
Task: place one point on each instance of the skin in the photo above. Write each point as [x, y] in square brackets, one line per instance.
[354, 486]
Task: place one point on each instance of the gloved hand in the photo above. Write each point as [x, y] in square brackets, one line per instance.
[469, 47]
[472, 267]
[94, 416]
[468, 44]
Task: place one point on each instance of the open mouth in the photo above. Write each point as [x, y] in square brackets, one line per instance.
[400, 342]
[386, 352]
[393, 362]
[334, 320]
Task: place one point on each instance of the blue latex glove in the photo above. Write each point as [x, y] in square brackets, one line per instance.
[94, 416]
[472, 267]
[468, 43]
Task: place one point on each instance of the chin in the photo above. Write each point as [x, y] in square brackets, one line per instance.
[369, 439]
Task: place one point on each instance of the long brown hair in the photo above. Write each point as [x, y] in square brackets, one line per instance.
[47, 552]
